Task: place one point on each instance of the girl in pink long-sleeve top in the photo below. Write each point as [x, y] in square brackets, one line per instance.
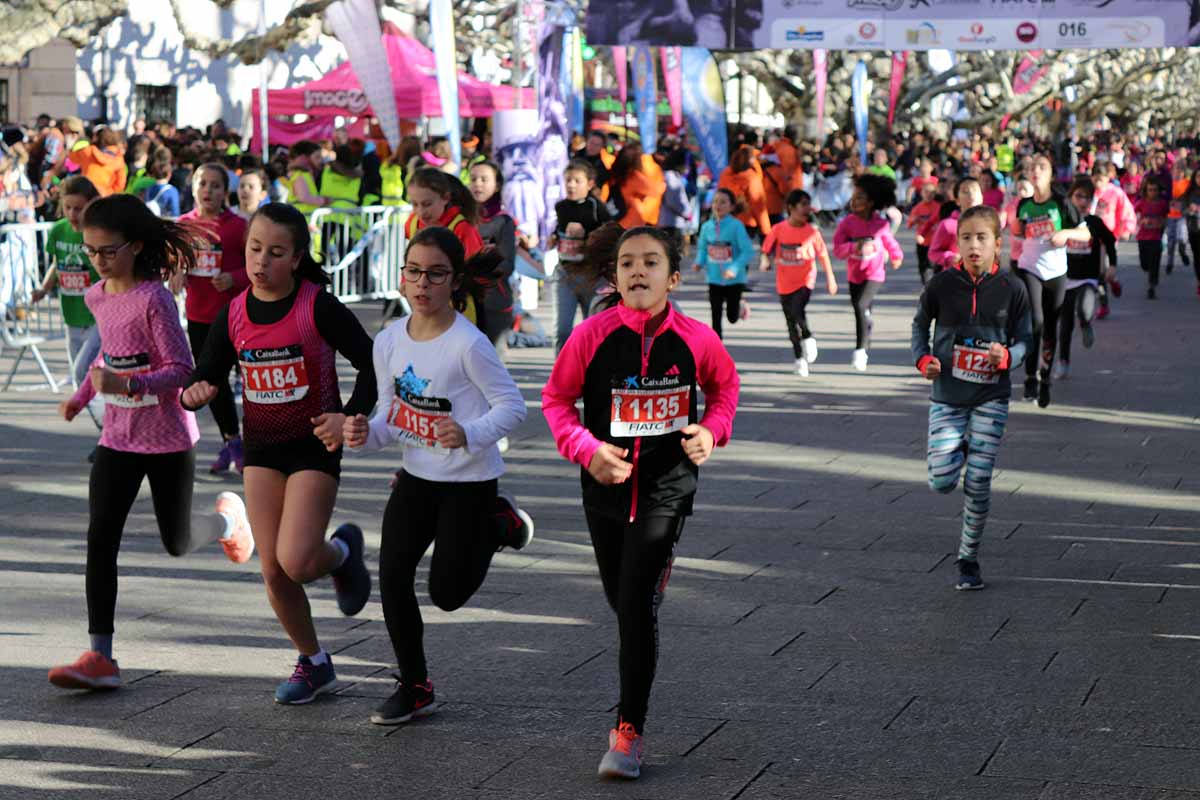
[639, 445]
[864, 239]
[943, 249]
[143, 365]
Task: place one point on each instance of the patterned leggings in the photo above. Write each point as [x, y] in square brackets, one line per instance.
[969, 434]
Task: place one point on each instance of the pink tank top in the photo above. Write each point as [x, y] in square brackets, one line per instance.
[289, 371]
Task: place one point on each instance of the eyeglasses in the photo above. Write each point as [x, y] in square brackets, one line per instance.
[103, 253]
[436, 277]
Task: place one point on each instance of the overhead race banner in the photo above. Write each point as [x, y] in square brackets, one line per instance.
[899, 24]
[645, 97]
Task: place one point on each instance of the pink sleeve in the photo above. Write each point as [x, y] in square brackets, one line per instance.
[843, 246]
[85, 392]
[241, 280]
[718, 378]
[1127, 221]
[943, 250]
[175, 356]
[891, 245]
[575, 442]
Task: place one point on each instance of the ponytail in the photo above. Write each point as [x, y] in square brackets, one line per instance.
[291, 218]
[167, 247]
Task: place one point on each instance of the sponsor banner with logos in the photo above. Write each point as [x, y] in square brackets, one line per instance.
[910, 24]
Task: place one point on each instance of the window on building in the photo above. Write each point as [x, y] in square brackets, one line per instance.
[156, 103]
[4, 100]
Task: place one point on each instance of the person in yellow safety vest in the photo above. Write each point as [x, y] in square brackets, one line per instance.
[342, 185]
[470, 157]
[303, 161]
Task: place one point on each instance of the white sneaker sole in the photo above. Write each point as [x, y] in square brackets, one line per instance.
[424, 711]
[326, 689]
[77, 680]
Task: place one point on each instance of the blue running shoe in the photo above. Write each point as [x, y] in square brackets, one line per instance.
[308, 681]
[969, 578]
[352, 580]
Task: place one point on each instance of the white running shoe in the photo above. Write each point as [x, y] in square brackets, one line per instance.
[810, 349]
[802, 367]
[859, 361]
[744, 310]
[1061, 370]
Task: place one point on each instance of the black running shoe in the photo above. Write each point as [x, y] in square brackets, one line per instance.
[516, 527]
[1043, 394]
[352, 580]
[969, 578]
[1150, 295]
[1089, 335]
[1031, 388]
[406, 704]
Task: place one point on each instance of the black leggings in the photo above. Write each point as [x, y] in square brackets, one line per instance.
[728, 296]
[1150, 256]
[115, 482]
[1194, 241]
[1080, 302]
[1045, 303]
[223, 409]
[862, 296]
[459, 520]
[635, 564]
[794, 305]
[923, 263]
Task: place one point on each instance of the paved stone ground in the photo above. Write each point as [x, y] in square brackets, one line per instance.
[812, 644]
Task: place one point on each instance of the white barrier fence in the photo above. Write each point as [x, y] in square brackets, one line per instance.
[24, 325]
[363, 250]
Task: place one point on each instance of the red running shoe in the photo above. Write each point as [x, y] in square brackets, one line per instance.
[624, 756]
[90, 671]
[1116, 287]
[1102, 312]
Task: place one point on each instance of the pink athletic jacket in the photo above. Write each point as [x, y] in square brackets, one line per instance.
[847, 239]
[943, 248]
[640, 398]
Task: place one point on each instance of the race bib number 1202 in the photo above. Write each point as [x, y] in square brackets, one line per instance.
[971, 361]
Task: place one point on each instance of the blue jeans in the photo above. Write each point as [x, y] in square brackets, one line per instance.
[967, 435]
[569, 294]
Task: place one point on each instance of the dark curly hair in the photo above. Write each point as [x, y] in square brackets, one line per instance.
[879, 189]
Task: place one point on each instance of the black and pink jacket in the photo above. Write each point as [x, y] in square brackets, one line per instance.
[609, 351]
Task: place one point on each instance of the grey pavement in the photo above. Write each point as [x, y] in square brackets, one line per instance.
[812, 643]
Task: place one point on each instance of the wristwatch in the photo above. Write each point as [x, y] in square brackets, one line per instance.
[133, 386]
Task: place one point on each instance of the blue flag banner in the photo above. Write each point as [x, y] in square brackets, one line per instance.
[645, 97]
[860, 100]
[704, 107]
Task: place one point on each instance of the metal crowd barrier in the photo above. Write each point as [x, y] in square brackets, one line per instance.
[363, 250]
[24, 261]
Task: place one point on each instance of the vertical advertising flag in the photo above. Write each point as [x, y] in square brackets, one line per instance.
[704, 106]
[645, 97]
[573, 80]
[821, 77]
[356, 25]
[554, 137]
[860, 100]
[621, 65]
[672, 74]
[899, 65]
[441, 23]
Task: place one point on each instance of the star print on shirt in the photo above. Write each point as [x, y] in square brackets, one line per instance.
[410, 383]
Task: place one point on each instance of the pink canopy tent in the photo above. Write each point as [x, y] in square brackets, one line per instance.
[414, 76]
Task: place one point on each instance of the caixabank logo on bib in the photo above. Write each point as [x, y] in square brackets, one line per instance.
[353, 100]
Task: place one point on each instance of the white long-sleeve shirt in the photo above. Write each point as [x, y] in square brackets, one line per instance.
[456, 374]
